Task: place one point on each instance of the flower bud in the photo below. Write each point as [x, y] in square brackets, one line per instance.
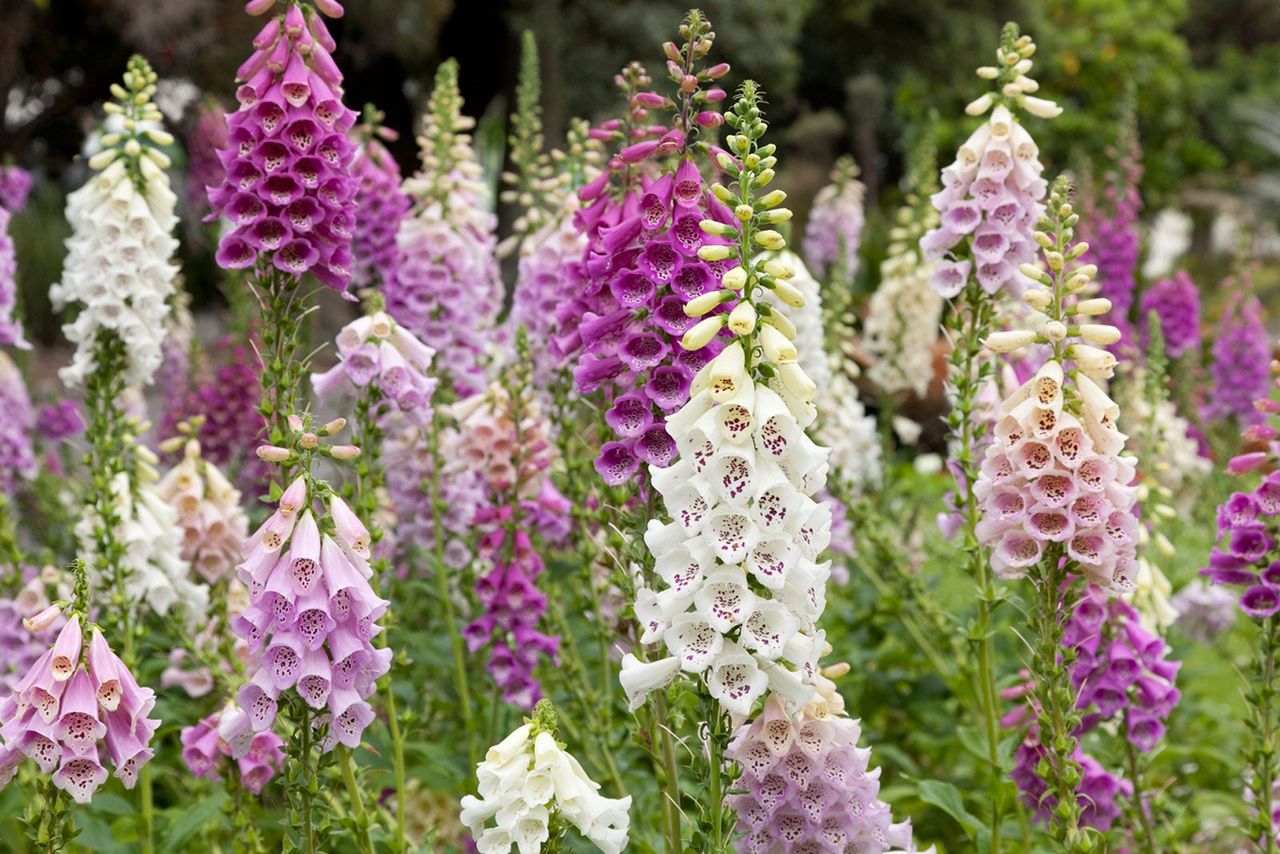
[719, 229]
[344, 452]
[1095, 363]
[1007, 342]
[334, 426]
[797, 381]
[782, 323]
[44, 620]
[714, 253]
[295, 423]
[702, 332]
[258, 7]
[772, 199]
[1093, 307]
[699, 306]
[770, 240]
[980, 105]
[742, 320]
[988, 72]
[734, 279]
[273, 453]
[776, 347]
[1054, 330]
[309, 440]
[775, 216]
[1040, 108]
[1102, 334]
[789, 294]
[1037, 298]
[779, 269]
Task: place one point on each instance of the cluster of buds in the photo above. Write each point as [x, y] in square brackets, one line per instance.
[1014, 88]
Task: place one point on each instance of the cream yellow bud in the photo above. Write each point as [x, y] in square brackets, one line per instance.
[772, 199]
[719, 229]
[735, 279]
[1093, 307]
[1102, 334]
[770, 240]
[797, 381]
[789, 294]
[714, 253]
[700, 305]
[1037, 298]
[782, 323]
[1007, 342]
[978, 106]
[776, 215]
[742, 320]
[779, 269]
[344, 452]
[776, 346]
[1055, 330]
[702, 332]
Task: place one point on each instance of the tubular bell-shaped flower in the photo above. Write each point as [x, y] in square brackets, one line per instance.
[806, 785]
[991, 195]
[312, 613]
[288, 192]
[527, 781]
[17, 420]
[75, 701]
[742, 583]
[204, 749]
[648, 256]
[1176, 301]
[118, 255]
[375, 350]
[447, 288]
[833, 234]
[1241, 353]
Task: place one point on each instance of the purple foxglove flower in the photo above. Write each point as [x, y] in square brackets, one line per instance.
[1241, 359]
[1176, 302]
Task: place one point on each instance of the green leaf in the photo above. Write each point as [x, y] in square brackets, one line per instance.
[191, 819]
[947, 798]
[112, 804]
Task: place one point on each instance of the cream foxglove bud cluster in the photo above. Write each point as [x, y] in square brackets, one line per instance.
[742, 582]
[447, 289]
[74, 702]
[375, 351]
[312, 614]
[806, 326]
[118, 267]
[209, 513]
[288, 194]
[903, 313]
[991, 194]
[527, 781]
[807, 786]
[833, 234]
[154, 569]
[1054, 477]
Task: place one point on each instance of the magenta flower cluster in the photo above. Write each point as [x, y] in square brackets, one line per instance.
[1176, 302]
[15, 187]
[1121, 670]
[288, 190]
[513, 607]
[380, 206]
[641, 268]
[1246, 555]
[71, 704]
[1111, 230]
[1241, 359]
[1099, 793]
[17, 418]
[312, 614]
[546, 281]
[205, 752]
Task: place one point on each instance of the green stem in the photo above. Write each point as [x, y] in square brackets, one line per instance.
[365, 837]
[442, 590]
[671, 767]
[1264, 754]
[967, 371]
[148, 808]
[1146, 836]
[304, 724]
[398, 762]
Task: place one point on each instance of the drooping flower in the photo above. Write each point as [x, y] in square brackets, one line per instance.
[17, 420]
[375, 350]
[526, 782]
[381, 204]
[1176, 301]
[208, 511]
[742, 585]
[447, 288]
[118, 266]
[312, 615]
[19, 646]
[807, 786]
[75, 701]
[1241, 355]
[288, 192]
[991, 195]
[833, 233]
[206, 753]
